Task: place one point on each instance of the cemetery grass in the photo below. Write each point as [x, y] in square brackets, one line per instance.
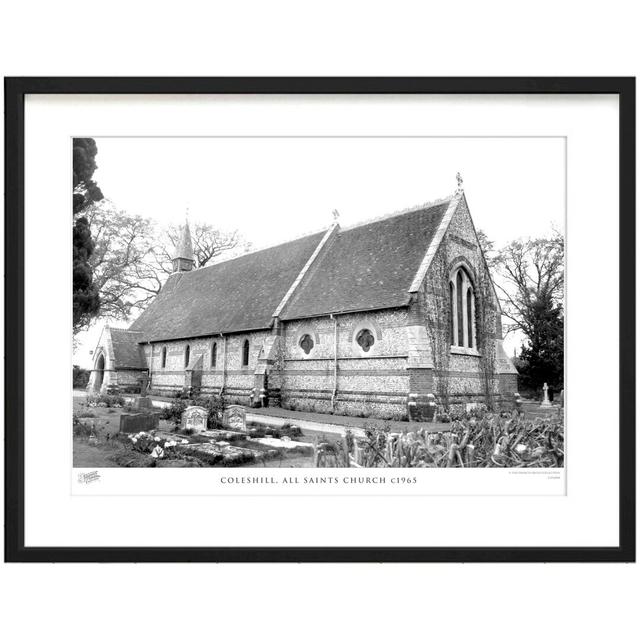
[107, 452]
[111, 452]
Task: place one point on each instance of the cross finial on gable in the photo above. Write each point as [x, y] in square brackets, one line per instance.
[336, 215]
[459, 179]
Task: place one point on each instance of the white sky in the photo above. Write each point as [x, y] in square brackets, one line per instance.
[272, 189]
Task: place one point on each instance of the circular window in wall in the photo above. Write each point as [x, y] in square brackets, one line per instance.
[365, 339]
[306, 343]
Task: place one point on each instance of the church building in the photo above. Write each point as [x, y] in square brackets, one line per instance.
[386, 318]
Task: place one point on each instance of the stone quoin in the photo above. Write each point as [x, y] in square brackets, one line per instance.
[377, 319]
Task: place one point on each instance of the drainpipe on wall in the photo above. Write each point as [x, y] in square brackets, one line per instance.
[224, 365]
[149, 367]
[335, 361]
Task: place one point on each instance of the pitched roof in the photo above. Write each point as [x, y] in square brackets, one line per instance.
[370, 266]
[240, 294]
[126, 350]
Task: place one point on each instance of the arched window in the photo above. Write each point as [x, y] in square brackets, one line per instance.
[459, 310]
[245, 354]
[187, 353]
[214, 355]
[452, 307]
[463, 309]
[470, 317]
[164, 357]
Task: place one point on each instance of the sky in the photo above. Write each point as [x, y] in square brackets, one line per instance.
[273, 189]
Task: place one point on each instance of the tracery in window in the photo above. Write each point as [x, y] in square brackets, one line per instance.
[306, 343]
[365, 339]
[463, 311]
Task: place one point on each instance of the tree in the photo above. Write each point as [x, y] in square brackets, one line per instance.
[488, 248]
[123, 260]
[85, 190]
[208, 243]
[132, 257]
[542, 358]
[530, 282]
[530, 277]
[86, 301]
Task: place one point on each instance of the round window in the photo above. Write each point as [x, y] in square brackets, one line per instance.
[365, 339]
[306, 343]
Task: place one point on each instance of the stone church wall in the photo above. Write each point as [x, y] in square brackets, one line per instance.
[369, 383]
[460, 375]
[238, 380]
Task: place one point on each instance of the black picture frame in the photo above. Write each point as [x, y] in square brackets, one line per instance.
[15, 91]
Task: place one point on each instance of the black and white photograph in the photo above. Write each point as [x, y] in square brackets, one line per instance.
[318, 301]
[361, 315]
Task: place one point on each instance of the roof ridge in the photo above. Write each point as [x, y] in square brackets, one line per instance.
[400, 212]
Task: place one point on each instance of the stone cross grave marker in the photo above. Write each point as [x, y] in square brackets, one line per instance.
[545, 397]
[235, 417]
[195, 418]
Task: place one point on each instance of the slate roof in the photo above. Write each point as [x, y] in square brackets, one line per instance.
[126, 350]
[366, 267]
[370, 266]
[240, 294]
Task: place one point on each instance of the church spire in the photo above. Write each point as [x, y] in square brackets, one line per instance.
[183, 256]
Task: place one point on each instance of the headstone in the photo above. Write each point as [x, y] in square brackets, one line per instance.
[430, 408]
[142, 403]
[144, 386]
[518, 402]
[235, 417]
[136, 422]
[562, 398]
[545, 396]
[195, 418]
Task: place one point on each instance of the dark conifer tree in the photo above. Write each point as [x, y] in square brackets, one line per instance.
[86, 300]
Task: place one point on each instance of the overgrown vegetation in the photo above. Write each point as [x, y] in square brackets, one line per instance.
[105, 400]
[491, 441]
[82, 429]
[80, 377]
[438, 322]
[486, 330]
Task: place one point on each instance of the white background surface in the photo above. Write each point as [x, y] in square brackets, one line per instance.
[370, 38]
[54, 517]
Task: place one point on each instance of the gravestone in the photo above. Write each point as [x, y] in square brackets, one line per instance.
[562, 398]
[142, 403]
[430, 408]
[518, 402]
[545, 396]
[235, 417]
[195, 418]
[135, 422]
[144, 386]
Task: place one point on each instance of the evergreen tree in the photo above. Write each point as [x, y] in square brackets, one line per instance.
[542, 358]
[86, 299]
